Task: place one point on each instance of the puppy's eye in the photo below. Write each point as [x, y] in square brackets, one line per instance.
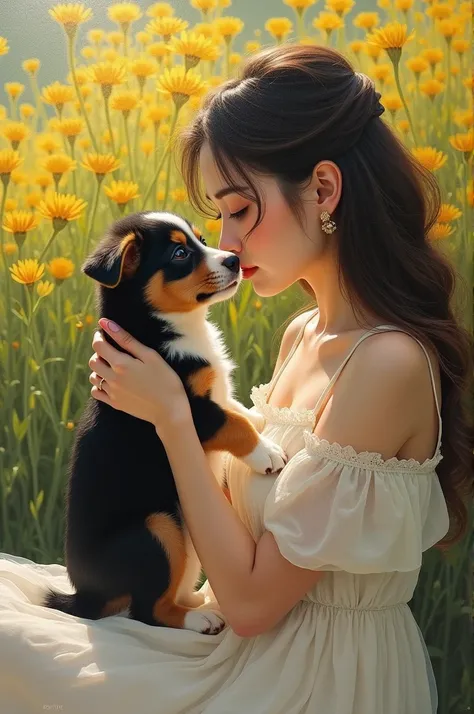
[203, 241]
[180, 253]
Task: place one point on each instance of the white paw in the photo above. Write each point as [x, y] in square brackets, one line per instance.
[209, 622]
[266, 458]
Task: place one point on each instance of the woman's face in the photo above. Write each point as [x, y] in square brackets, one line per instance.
[279, 247]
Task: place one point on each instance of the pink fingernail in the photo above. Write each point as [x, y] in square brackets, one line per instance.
[113, 327]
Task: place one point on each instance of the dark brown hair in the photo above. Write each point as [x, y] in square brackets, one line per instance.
[296, 105]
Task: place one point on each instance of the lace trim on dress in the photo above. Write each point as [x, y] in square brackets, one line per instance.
[342, 454]
[366, 459]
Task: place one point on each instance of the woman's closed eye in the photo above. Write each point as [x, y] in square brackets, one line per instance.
[236, 215]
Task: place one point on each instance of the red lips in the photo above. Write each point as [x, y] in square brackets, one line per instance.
[248, 272]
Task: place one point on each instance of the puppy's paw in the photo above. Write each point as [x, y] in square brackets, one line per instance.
[209, 622]
[266, 458]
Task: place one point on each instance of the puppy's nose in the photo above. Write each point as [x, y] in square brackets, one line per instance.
[232, 262]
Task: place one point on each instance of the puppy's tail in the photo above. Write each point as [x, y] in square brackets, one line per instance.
[80, 604]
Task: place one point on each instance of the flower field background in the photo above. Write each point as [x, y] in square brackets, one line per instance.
[97, 143]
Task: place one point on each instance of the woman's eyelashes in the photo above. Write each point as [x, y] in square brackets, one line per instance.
[236, 215]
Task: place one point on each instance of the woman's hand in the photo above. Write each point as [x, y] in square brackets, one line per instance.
[143, 385]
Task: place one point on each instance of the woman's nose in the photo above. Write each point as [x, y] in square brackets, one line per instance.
[229, 243]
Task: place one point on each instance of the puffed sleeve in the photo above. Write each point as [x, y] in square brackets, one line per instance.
[332, 508]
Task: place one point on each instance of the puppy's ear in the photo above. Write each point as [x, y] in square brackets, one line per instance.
[114, 259]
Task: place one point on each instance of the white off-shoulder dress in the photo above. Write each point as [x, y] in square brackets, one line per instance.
[350, 646]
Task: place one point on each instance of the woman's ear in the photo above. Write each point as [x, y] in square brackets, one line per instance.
[114, 259]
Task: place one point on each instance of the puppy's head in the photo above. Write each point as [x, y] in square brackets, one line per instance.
[163, 259]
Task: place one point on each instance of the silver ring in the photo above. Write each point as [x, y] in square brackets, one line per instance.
[101, 382]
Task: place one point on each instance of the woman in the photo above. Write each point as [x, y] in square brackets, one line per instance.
[312, 569]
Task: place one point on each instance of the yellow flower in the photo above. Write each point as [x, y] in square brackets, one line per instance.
[213, 225]
[279, 27]
[404, 125]
[328, 21]
[158, 49]
[58, 94]
[70, 15]
[164, 130]
[47, 142]
[179, 194]
[448, 28]
[31, 65]
[32, 199]
[430, 157]
[71, 127]
[10, 248]
[460, 46]
[205, 28]
[11, 204]
[61, 208]
[58, 164]
[89, 52]
[100, 164]
[469, 82]
[69, 425]
[158, 112]
[373, 51]
[432, 88]
[463, 142]
[147, 147]
[108, 73]
[252, 46]
[160, 9]
[366, 20]
[470, 193]
[143, 38]
[43, 180]
[235, 58]
[160, 194]
[4, 48]
[204, 5]
[19, 178]
[194, 48]
[340, 7]
[392, 37]
[299, 5]
[124, 13]
[439, 10]
[166, 26]
[440, 231]
[228, 27]
[122, 191]
[27, 111]
[115, 38]
[464, 117]
[381, 72]
[96, 35]
[448, 213]
[417, 65]
[180, 84]
[61, 269]
[404, 5]
[384, 4]
[9, 160]
[124, 101]
[44, 288]
[433, 55]
[15, 132]
[142, 68]
[14, 89]
[20, 221]
[27, 272]
[392, 102]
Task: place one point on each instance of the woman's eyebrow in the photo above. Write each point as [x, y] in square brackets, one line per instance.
[226, 190]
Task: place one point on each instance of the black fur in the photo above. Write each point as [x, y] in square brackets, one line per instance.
[119, 472]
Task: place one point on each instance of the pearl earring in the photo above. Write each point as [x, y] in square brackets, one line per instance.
[328, 226]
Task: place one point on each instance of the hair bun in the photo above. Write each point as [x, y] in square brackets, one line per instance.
[378, 106]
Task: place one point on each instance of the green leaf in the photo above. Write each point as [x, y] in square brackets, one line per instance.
[33, 510]
[34, 365]
[54, 359]
[19, 427]
[233, 314]
[21, 315]
[65, 405]
[39, 500]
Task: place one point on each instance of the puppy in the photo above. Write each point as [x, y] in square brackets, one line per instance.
[126, 542]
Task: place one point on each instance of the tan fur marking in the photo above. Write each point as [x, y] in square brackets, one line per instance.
[237, 435]
[165, 529]
[201, 382]
[178, 237]
[178, 295]
[197, 232]
[112, 607]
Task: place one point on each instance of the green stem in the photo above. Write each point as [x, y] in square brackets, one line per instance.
[396, 67]
[85, 251]
[72, 67]
[163, 157]
[109, 125]
[129, 146]
[46, 248]
[5, 182]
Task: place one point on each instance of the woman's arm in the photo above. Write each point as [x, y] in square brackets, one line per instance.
[253, 583]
